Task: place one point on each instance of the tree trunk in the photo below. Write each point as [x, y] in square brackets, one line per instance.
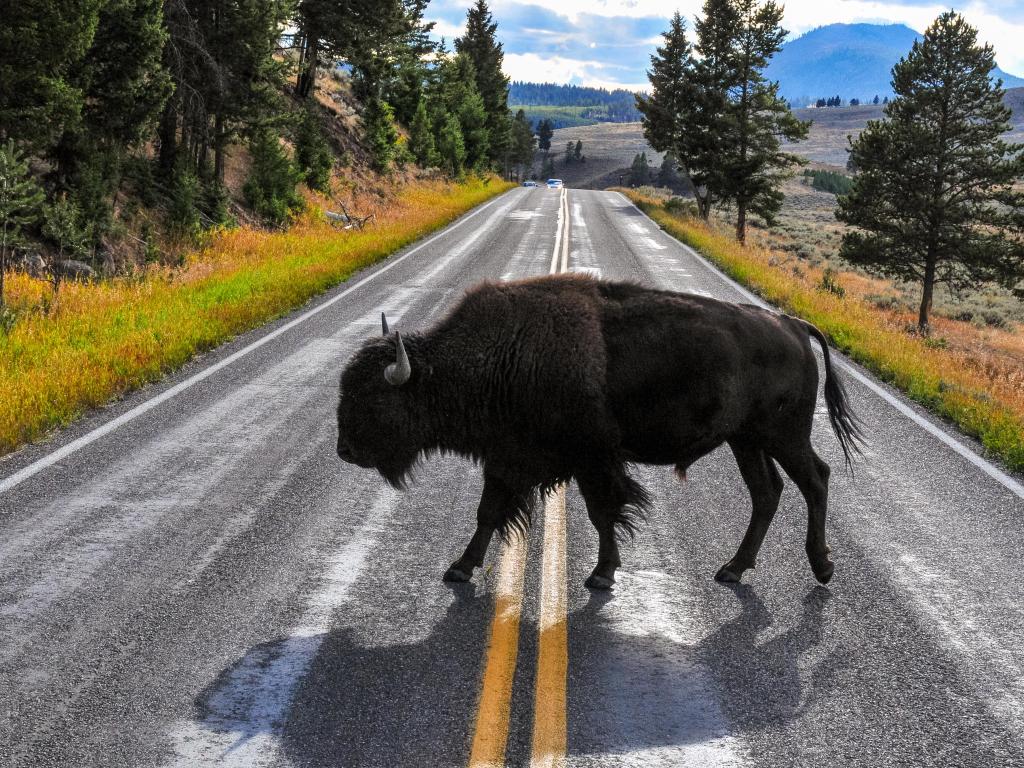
[741, 221]
[926, 297]
[218, 149]
[168, 136]
[307, 75]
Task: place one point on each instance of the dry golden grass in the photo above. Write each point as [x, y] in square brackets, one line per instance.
[973, 376]
[93, 342]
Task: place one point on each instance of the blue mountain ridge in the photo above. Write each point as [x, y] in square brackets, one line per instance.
[847, 60]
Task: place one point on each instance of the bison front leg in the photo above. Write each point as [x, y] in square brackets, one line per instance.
[499, 507]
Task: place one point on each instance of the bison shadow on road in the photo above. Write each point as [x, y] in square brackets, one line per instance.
[359, 704]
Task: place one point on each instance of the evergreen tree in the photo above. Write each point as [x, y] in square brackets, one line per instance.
[421, 138]
[640, 172]
[545, 132]
[752, 164]
[569, 146]
[480, 45]
[270, 188]
[522, 144]
[668, 111]
[577, 151]
[450, 146]
[124, 86]
[460, 97]
[41, 44]
[934, 198]
[547, 170]
[380, 134]
[20, 203]
[313, 154]
[668, 174]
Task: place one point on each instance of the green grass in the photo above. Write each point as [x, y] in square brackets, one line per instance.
[95, 342]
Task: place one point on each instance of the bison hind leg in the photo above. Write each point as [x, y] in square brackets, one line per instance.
[616, 504]
[765, 485]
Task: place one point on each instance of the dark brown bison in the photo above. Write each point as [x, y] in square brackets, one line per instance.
[566, 376]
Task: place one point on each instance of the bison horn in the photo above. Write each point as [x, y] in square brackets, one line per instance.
[399, 371]
[384, 323]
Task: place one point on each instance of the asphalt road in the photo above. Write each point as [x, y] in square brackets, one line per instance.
[191, 577]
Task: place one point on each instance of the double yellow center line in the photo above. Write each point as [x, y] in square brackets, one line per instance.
[490, 736]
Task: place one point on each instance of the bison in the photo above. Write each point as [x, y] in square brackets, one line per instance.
[570, 377]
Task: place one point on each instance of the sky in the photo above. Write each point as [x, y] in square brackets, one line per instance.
[608, 43]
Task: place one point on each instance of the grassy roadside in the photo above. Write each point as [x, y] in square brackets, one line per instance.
[983, 402]
[92, 343]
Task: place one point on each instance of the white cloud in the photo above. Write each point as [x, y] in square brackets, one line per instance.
[803, 15]
[535, 68]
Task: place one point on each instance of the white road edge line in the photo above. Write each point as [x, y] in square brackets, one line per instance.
[985, 466]
[49, 460]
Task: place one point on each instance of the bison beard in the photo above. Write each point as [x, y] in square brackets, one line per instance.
[567, 377]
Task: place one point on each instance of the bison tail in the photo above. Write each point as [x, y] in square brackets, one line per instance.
[844, 422]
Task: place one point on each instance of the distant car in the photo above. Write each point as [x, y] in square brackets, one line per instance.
[555, 184]
[529, 183]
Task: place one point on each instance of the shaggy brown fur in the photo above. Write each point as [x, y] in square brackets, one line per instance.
[565, 376]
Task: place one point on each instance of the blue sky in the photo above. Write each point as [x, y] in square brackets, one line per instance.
[609, 42]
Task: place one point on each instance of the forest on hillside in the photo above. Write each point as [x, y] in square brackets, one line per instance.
[571, 105]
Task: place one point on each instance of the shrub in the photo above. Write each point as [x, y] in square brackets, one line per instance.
[830, 181]
[830, 284]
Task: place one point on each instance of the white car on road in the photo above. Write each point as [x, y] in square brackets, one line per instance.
[555, 184]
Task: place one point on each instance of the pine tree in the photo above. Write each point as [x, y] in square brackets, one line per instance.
[421, 138]
[934, 198]
[522, 144]
[639, 173]
[547, 170]
[545, 132]
[313, 154]
[451, 147]
[752, 164]
[41, 44]
[569, 145]
[669, 111]
[380, 134]
[460, 97]
[20, 203]
[577, 151]
[270, 188]
[480, 44]
[668, 174]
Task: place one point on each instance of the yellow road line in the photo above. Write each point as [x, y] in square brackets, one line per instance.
[491, 733]
[549, 730]
[565, 239]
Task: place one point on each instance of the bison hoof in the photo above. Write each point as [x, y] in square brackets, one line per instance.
[595, 581]
[728, 575]
[456, 575]
[823, 571]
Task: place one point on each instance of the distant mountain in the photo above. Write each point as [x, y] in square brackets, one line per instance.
[846, 60]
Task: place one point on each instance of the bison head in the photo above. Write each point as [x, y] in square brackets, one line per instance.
[379, 424]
